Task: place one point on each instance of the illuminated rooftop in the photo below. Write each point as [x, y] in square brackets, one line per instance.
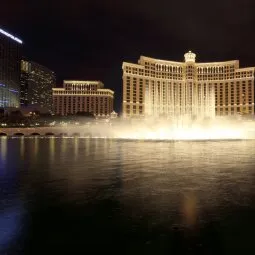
[190, 57]
[81, 82]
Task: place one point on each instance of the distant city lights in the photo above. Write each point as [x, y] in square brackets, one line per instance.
[10, 36]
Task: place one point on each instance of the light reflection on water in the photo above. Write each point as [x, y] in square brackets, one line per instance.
[22, 148]
[3, 148]
[138, 188]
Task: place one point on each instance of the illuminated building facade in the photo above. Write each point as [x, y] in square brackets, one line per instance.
[83, 96]
[25, 66]
[37, 82]
[10, 57]
[171, 89]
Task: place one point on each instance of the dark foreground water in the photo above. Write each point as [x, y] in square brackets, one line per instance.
[96, 196]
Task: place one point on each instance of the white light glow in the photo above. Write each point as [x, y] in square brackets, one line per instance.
[216, 130]
[10, 36]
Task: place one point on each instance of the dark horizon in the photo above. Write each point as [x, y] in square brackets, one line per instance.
[89, 40]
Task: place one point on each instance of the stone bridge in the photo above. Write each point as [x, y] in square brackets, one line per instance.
[78, 131]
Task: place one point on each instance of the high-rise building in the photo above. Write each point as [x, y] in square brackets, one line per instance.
[83, 96]
[10, 57]
[37, 82]
[25, 67]
[172, 89]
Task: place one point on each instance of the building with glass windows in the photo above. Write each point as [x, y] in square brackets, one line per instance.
[37, 82]
[10, 57]
[25, 67]
[169, 89]
[83, 96]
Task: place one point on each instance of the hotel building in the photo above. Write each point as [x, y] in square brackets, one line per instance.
[160, 88]
[83, 96]
[10, 57]
[36, 82]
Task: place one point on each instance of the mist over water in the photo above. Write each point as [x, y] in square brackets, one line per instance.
[179, 129]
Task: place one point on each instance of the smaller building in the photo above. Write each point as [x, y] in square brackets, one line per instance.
[83, 96]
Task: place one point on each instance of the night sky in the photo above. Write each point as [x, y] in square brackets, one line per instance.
[89, 39]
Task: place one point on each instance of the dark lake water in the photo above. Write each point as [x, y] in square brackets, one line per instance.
[96, 196]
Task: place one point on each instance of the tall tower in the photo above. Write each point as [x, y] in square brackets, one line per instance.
[10, 57]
